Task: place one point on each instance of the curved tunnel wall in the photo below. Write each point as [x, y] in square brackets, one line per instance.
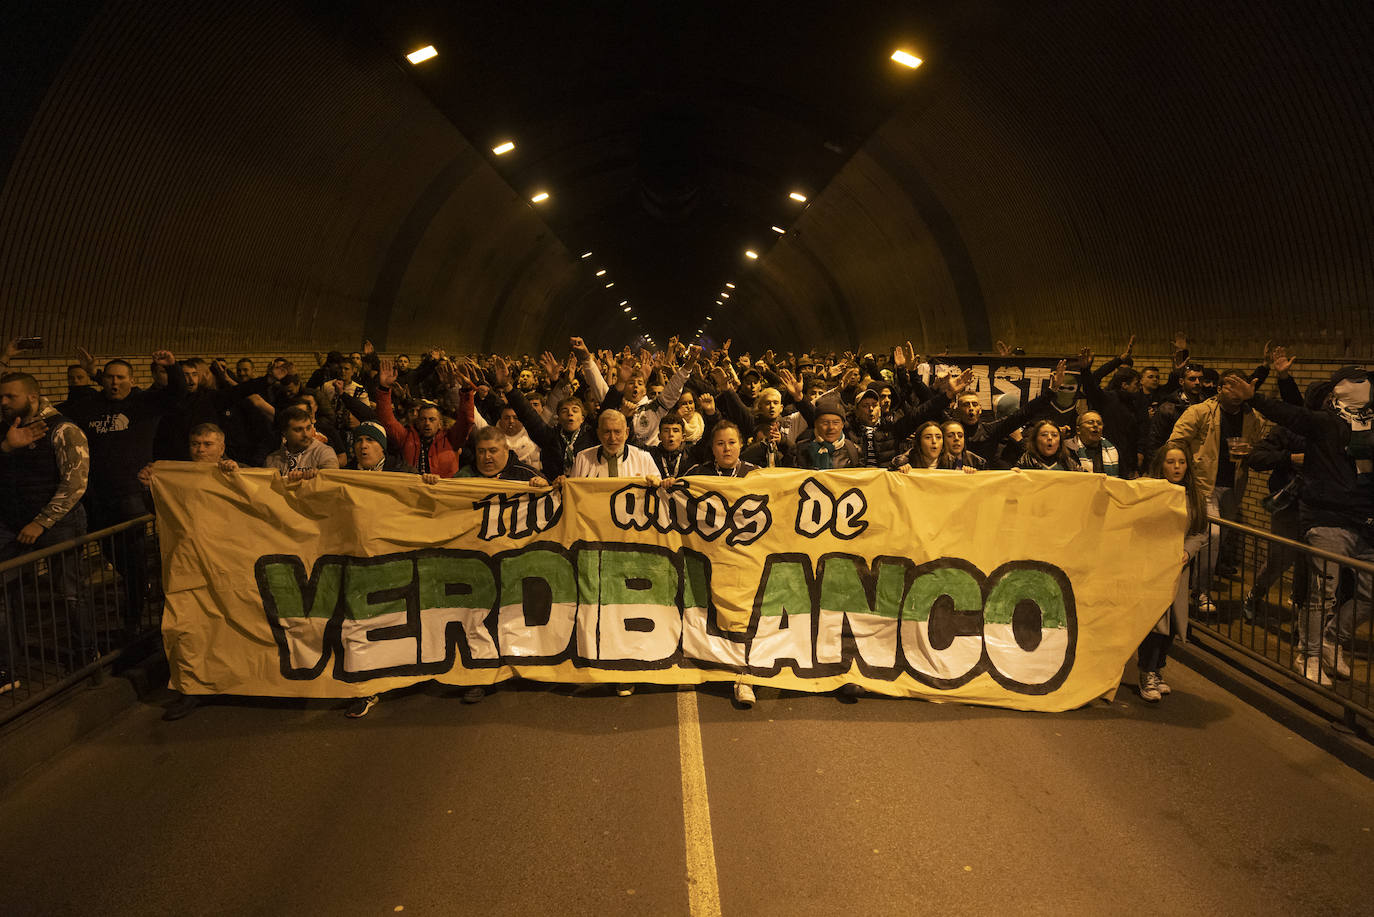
[229, 177]
[197, 174]
[1208, 167]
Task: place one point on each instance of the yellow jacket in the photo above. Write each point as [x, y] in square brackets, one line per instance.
[1199, 431]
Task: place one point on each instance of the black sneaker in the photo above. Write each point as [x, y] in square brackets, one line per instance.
[183, 706]
[359, 708]
[474, 695]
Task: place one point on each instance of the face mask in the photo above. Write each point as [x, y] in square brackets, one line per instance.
[1067, 392]
[1350, 398]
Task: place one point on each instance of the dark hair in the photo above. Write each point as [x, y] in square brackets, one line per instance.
[915, 450]
[1193, 368]
[1032, 435]
[24, 379]
[488, 433]
[573, 399]
[1197, 503]
[669, 420]
[119, 362]
[290, 416]
[1123, 376]
[324, 408]
[1239, 374]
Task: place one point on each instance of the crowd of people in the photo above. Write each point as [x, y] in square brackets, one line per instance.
[83, 463]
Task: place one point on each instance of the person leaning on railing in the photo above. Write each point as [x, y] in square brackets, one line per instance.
[44, 466]
[1335, 505]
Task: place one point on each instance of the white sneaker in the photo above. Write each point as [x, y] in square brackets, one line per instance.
[1149, 687]
[1163, 688]
[1309, 666]
[624, 690]
[1204, 604]
[744, 694]
[1334, 662]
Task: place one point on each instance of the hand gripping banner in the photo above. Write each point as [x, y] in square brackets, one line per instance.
[1017, 590]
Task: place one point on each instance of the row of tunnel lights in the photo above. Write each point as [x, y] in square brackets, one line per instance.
[420, 55]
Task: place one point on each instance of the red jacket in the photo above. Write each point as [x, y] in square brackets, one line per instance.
[444, 449]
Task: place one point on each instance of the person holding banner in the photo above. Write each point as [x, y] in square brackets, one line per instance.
[492, 458]
[1175, 465]
[1094, 451]
[614, 458]
[956, 455]
[725, 451]
[928, 453]
[300, 451]
[369, 452]
[725, 463]
[1046, 449]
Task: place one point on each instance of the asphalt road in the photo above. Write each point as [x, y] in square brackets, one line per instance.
[545, 800]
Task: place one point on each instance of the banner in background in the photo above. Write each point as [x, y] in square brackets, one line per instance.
[995, 376]
[1018, 590]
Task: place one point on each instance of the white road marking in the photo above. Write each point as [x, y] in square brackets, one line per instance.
[703, 889]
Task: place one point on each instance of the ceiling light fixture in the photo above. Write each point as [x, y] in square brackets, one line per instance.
[906, 59]
[540, 198]
[627, 309]
[420, 55]
[723, 296]
[778, 229]
[729, 285]
[798, 197]
[601, 272]
[752, 255]
[587, 255]
[611, 284]
[502, 149]
[624, 302]
[719, 303]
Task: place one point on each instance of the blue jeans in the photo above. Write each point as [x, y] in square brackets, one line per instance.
[1322, 620]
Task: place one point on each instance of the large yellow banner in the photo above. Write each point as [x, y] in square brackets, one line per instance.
[1017, 590]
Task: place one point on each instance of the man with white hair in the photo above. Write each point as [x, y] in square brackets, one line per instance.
[614, 457]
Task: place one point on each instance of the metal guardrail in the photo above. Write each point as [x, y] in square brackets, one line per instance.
[1268, 591]
[68, 610]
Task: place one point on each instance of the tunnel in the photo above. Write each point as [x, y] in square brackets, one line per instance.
[248, 177]
[249, 687]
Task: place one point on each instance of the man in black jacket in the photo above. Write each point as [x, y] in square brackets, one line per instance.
[44, 463]
[120, 423]
[1336, 504]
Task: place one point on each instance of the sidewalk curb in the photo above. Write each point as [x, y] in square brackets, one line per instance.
[47, 731]
[1307, 715]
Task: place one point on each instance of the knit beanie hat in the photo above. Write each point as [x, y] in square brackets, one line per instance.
[371, 430]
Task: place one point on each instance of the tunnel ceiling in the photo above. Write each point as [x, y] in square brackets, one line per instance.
[669, 136]
[1055, 174]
